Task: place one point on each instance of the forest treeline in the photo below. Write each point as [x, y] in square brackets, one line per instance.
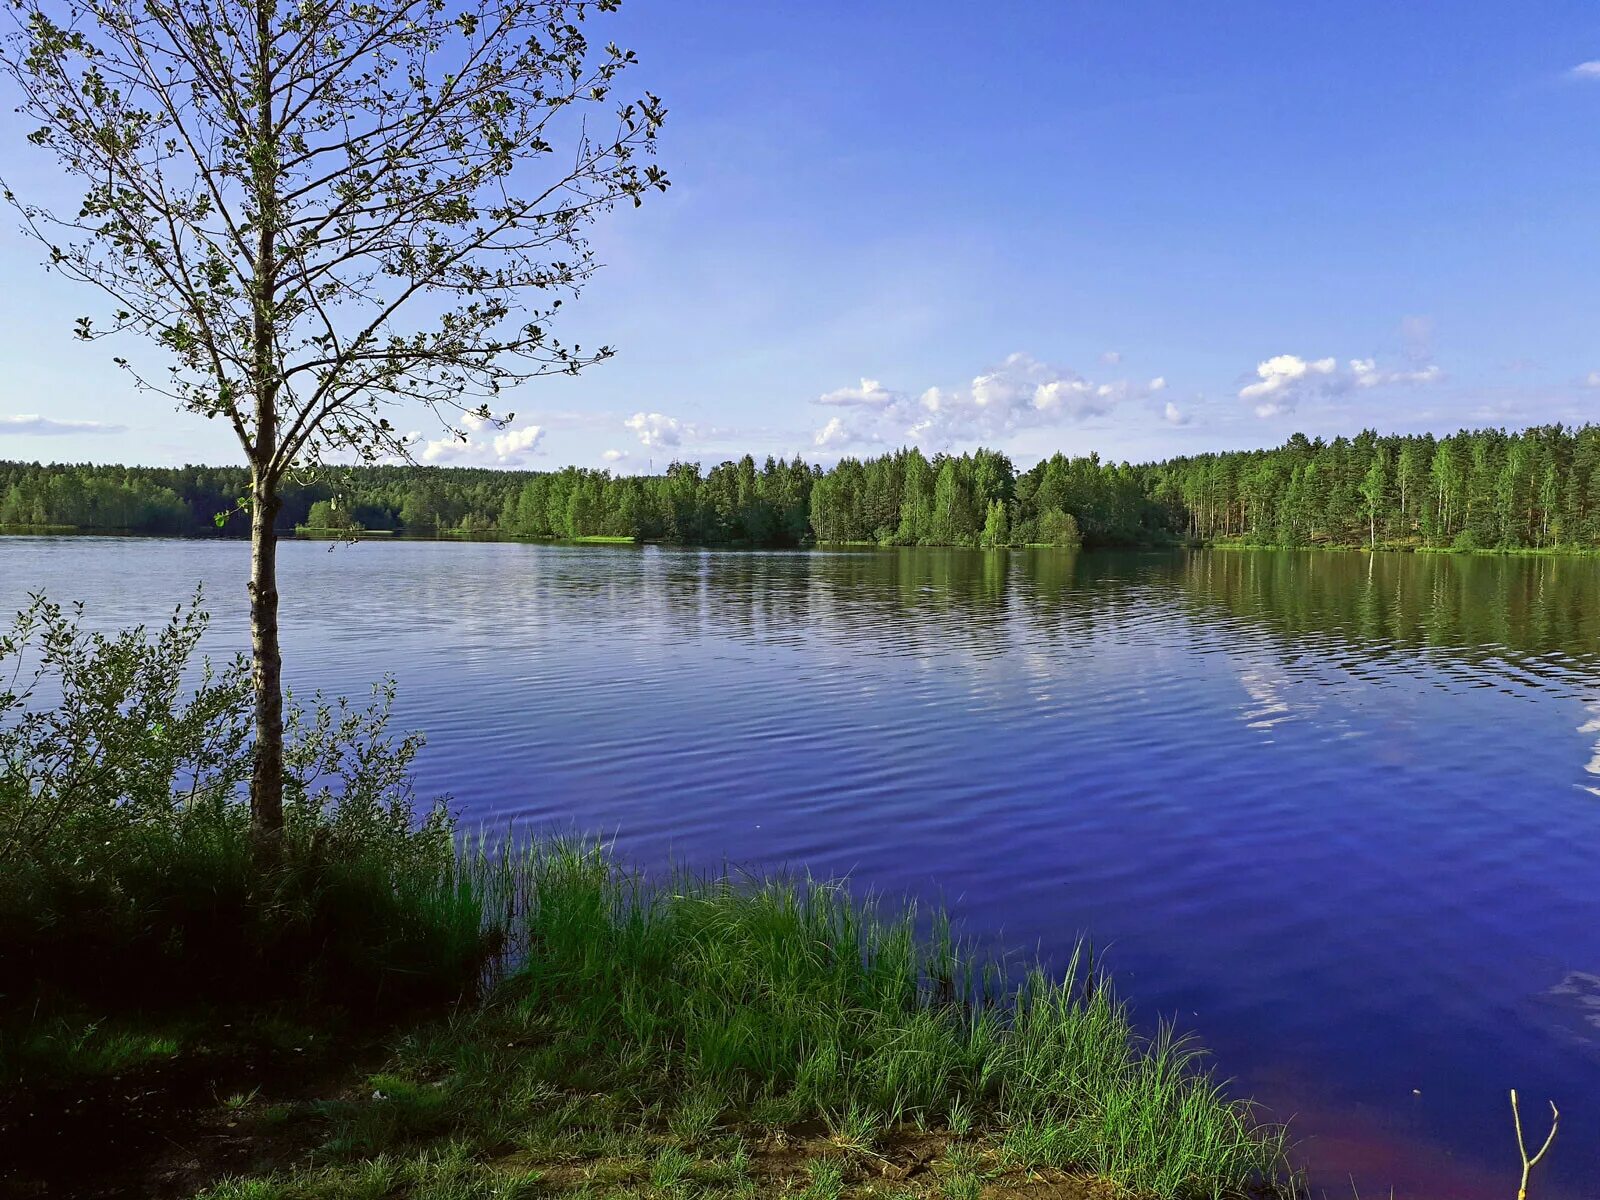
[1538, 488]
[1477, 489]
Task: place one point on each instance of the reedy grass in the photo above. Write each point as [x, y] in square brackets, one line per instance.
[790, 1000]
[641, 1038]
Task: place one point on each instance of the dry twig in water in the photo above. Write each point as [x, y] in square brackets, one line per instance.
[1528, 1164]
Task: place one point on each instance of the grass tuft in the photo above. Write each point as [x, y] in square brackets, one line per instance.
[790, 1002]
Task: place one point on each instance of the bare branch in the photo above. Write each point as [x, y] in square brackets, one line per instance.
[1528, 1164]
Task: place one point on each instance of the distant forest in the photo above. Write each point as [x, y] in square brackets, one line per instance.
[1482, 489]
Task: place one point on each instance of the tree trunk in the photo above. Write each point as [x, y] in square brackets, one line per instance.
[266, 777]
[266, 780]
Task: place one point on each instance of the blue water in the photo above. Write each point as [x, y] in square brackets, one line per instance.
[1339, 815]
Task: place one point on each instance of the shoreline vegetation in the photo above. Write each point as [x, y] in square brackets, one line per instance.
[352, 535]
[355, 534]
[382, 1007]
[1403, 547]
[1485, 490]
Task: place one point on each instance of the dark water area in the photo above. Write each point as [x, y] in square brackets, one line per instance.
[1339, 814]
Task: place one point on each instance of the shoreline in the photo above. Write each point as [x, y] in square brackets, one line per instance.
[735, 1038]
[1474, 552]
[391, 535]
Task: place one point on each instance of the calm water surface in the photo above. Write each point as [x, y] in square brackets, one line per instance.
[1339, 814]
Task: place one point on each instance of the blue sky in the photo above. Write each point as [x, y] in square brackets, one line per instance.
[1139, 228]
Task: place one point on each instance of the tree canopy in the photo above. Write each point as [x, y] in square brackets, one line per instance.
[319, 210]
[1539, 488]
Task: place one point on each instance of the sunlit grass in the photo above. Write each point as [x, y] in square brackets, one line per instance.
[62, 1047]
[844, 1008]
[659, 1039]
[645, 1027]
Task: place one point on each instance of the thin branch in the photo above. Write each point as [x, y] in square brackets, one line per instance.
[1528, 1164]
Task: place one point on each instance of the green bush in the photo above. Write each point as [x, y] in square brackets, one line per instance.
[325, 514]
[1059, 528]
[128, 874]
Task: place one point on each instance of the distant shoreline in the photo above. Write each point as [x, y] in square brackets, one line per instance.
[304, 533]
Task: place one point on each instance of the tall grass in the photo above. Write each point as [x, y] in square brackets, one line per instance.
[793, 1002]
[184, 914]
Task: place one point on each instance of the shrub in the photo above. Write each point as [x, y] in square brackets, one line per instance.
[94, 740]
[326, 514]
[1058, 528]
[128, 875]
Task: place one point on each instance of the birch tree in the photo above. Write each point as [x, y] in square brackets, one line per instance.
[322, 210]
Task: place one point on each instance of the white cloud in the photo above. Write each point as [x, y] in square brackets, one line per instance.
[1283, 376]
[1022, 387]
[1110, 358]
[1592, 379]
[1286, 379]
[1587, 70]
[833, 434]
[1174, 415]
[504, 447]
[871, 394]
[1020, 393]
[614, 456]
[1366, 373]
[1050, 397]
[514, 442]
[35, 425]
[1159, 383]
[658, 429]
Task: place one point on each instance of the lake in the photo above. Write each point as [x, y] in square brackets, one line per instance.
[1339, 814]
